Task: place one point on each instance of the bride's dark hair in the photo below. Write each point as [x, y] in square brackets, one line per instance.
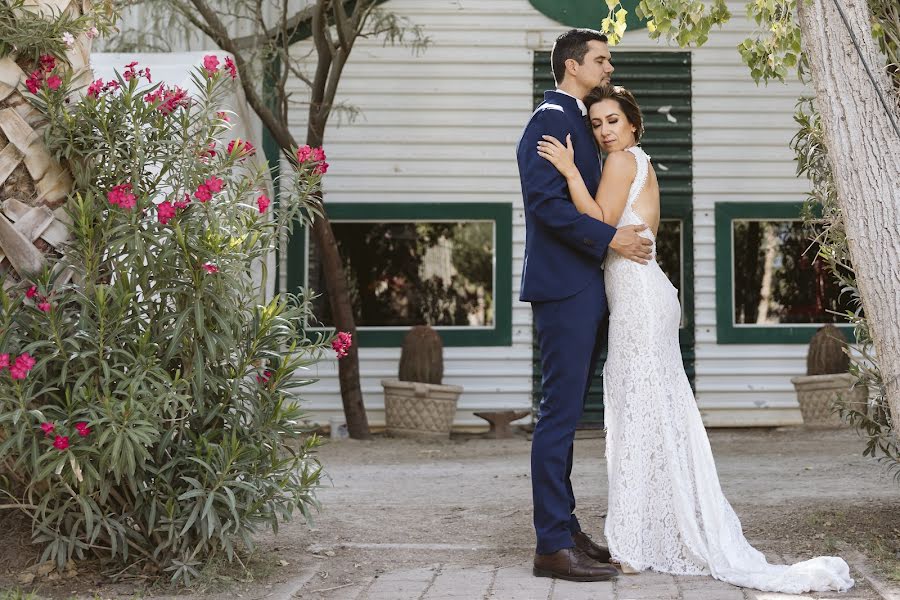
[626, 101]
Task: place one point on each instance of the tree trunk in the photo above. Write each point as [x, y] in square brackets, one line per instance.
[33, 186]
[864, 152]
[341, 309]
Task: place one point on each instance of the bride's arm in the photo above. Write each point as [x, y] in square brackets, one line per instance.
[615, 181]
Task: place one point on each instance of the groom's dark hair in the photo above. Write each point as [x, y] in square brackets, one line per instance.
[571, 44]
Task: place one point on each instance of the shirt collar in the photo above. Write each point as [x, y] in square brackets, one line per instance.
[581, 104]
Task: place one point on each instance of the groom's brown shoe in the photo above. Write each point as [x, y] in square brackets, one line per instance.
[584, 543]
[571, 564]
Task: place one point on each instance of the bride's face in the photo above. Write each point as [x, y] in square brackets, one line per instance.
[612, 129]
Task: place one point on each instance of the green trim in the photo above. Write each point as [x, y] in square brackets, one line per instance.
[586, 13]
[726, 331]
[501, 213]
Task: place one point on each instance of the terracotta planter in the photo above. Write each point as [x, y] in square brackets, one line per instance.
[817, 395]
[419, 410]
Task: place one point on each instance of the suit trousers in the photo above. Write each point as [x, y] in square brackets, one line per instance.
[571, 334]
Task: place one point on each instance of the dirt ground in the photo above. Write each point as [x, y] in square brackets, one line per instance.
[393, 504]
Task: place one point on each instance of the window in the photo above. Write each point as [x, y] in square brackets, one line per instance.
[444, 265]
[771, 288]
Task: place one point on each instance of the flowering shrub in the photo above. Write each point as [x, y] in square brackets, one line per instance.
[147, 404]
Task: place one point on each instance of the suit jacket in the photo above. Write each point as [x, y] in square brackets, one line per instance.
[564, 249]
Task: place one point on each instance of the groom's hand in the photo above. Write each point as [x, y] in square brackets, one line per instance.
[629, 244]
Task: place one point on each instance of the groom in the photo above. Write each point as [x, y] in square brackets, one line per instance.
[562, 277]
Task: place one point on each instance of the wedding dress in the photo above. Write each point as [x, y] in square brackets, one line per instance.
[666, 509]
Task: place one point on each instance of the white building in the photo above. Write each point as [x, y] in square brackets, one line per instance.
[435, 143]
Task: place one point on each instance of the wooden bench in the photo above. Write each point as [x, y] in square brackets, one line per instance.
[500, 420]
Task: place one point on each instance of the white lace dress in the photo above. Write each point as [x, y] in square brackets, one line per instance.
[666, 509]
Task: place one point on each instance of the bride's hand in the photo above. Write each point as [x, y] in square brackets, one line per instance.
[561, 157]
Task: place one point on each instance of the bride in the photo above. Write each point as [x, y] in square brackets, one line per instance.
[666, 509]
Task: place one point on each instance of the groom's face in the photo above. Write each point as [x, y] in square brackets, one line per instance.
[596, 68]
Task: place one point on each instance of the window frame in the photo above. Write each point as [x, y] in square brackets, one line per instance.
[500, 334]
[727, 331]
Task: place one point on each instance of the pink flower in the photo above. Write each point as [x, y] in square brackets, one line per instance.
[48, 428]
[33, 83]
[83, 429]
[20, 368]
[25, 362]
[164, 212]
[183, 203]
[61, 442]
[210, 150]
[304, 153]
[321, 168]
[318, 154]
[112, 84]
[265, 377]
[211, 63]
[203, 194]
[4, 361]
[210, 268]
[263, 202]
[224, 116]
[341, 344]
[231, 67]
[48, 62]
[130, 73]
[53, 82]
[170, 99]
[93, 32]
[95, 88]
[44, 306]
[242, 147]
[214, 184]
[146, 74]
[32, 292]
[121, 196]
[69, 39]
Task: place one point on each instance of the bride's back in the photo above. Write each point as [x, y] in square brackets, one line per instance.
[646, 205]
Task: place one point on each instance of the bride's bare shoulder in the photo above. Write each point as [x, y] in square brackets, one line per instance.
[620, 164]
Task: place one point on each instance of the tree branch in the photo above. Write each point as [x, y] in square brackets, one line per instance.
[275, 34]
[220, 36]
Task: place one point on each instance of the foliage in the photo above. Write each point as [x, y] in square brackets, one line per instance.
[30, 37]
[822, 214]
[153, 419]
[262, 37]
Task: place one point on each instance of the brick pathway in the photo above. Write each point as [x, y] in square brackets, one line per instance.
[449, 582]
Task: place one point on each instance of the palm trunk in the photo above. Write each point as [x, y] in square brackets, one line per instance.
[864, 152]
[33, 186]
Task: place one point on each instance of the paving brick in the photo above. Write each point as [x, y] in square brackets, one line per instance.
[463, 583]
[573, 590]
[629, 582]
[712, 594]
[401, 585]
[650, 592]
[517, 583]
[755, 595]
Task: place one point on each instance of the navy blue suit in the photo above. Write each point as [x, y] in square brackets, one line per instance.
[562, 277]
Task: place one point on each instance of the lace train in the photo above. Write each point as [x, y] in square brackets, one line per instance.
[666, 509]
